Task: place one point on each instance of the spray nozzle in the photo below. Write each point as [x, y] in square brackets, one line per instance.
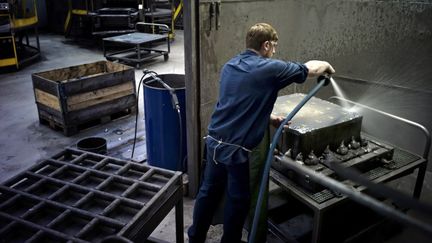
[326, 77]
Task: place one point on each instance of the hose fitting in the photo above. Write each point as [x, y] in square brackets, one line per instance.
[326, 77]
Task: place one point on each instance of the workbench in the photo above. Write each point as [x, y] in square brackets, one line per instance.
[142, 47]
[79, 196]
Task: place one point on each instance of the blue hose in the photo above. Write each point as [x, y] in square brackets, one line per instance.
[322, 81]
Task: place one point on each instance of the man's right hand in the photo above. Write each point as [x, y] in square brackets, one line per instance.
[317, 68]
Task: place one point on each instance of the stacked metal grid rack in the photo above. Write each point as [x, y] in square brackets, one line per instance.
[79, 196]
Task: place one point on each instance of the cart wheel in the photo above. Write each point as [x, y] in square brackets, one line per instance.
[166, 57]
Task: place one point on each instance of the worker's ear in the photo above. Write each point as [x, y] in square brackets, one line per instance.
[266, 45]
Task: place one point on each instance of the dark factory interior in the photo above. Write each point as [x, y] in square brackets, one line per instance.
[215, 121]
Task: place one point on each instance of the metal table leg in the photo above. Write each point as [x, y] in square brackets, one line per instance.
[103, 48]
[179, 221]
[139, 52]
[419, 181]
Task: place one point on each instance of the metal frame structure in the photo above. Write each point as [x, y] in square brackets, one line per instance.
[82, 197]
[321, 202]
[138, 54]
[166, 16]
[121, 16]
[12, 60]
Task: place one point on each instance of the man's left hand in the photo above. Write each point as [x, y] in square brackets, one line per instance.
[275, 121]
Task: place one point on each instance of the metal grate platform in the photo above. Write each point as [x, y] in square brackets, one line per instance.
[82, 197]
[401, 158]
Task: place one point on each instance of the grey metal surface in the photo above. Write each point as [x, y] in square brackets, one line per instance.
[193, 93]
[136, 38]
[159, 12]
[317, 125]
[315, 115]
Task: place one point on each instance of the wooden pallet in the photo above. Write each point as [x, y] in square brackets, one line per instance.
[69, 130]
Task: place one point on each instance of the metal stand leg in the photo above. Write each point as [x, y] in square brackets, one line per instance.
[419, 182]
[103, 48]
[37, 39]
[27, 37]
[316, 231]
[137, 65]
[179, 221]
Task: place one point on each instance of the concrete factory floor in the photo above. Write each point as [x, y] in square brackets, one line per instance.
[24, 141]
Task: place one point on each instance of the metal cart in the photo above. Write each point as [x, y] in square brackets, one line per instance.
[143, 45]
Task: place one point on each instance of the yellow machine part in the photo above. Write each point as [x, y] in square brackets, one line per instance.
[72, 11]
[28, 20]
[24, 22]
[81, 12]
[178, 10]
[176, 13]
[4, 62]
[9, 62]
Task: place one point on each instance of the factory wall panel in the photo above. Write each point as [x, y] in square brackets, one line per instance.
[382, 52]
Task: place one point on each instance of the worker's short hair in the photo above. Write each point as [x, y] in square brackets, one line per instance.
[258, 34]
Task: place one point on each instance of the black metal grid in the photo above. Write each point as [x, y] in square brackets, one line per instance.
[79, 196]
[400, 158]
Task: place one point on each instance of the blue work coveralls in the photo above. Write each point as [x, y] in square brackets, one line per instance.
[248, 90]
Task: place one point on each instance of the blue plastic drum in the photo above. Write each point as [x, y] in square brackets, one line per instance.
[165, 140]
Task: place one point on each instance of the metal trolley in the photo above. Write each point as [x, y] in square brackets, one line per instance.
[143, 44]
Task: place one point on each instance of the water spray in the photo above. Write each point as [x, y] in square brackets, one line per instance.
[323, 80]
[338, 91]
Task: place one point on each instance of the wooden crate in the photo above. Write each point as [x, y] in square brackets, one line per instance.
[78, 97]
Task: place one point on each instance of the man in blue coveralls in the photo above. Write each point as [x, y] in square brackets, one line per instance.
[249, 86]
